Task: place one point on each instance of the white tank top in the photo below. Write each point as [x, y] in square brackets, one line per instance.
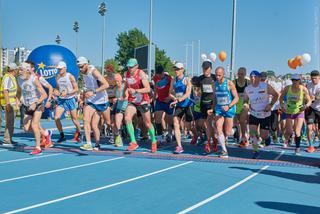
[65, 85]
[314, 91]
[91, 83]
[259, 99]
[29, 91]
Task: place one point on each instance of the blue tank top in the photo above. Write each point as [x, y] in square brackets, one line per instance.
[223, 94]
[180, 88]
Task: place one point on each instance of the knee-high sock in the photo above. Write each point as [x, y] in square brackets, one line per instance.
[130, 130]
[152, 135]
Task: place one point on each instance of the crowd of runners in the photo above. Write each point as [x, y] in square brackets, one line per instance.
[208, 109]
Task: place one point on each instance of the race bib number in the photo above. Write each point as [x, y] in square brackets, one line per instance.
[207, 88]
[222, 101]
[137, 98]
[111, 92]
[131, 81]
[317, 95]
[179, 95]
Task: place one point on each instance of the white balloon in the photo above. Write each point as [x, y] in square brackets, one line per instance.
[306, 58]
[213, 56]
[203, 57]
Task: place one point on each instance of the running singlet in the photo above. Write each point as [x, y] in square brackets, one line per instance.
[135, 82]
[162, 86]
[180, 88]
[65, 85]
[29, 90]
[91, 83]
[206, 84]
[259, 99]
[223, 95]
[314, 91]
[294, 101]
[240, 90]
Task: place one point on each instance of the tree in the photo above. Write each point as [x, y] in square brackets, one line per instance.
[134, 38]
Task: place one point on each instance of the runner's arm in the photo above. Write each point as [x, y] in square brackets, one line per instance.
[283, 93]
[234, 94]
[307, 97]
[188, 91]
[145, 83]
[274, 93]
[43, 94]
[104, 84]
[74, 85]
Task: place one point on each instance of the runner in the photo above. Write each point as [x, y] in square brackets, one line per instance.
[33, 96]
[224, 107]
[96, 102]
[242, 109]
[206, 83]
[163, 112]
[313, 113]
[258, 95]
[136, 90]
[66, 92]
[181, 87]
[45, 139]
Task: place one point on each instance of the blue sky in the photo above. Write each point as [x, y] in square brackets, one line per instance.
[269, 32]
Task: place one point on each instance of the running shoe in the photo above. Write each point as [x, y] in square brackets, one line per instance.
[267, 142]
[297, 152]
[61, 139]
[194, 140]
[154, 147]
[77, 137]
[43, 141]
[310, 149]
[97, 147]
[48, 145]
[132, 146]
[244, 144]
[255, 155]
[207, 147]
[178, 150]
[118, 141]
[86, 147]
[36, 151]
[223, 154]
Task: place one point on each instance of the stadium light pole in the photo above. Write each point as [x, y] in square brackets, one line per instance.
[76, 29]
[102, 10]
[150, 40]
[233, 34]
[58, 39]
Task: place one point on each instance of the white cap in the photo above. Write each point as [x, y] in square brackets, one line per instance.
[13, 66]
[61, 64]
[296, 77]
[82, 60]
[178, 65]
[25, 66]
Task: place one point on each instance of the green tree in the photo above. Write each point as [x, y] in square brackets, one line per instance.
[128, 41]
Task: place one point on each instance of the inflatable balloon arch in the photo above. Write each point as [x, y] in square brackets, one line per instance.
[46, 59]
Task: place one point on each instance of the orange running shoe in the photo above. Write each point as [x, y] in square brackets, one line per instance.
[154, 147]
[132, 146]
[43, 141]
[36, 151]
[310, 149]
[76, 137]
[244, 144]
[207, 147]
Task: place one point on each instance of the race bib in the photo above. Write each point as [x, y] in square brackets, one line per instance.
[179, 95]
[138, 97]
[317, 95]
[131, 81]
[111, 92]
[207, 88]
[222, 101]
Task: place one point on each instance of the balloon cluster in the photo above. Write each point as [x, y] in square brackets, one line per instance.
[213, 56]
[299, 61]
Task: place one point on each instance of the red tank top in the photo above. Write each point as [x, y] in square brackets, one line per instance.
[162, 86]
[135, 82]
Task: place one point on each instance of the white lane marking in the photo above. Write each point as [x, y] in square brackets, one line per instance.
[228, 189]
[4, 150]
[96, 189]
[36, 157]
[59, 170]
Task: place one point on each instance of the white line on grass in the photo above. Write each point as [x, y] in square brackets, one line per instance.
[228, 189]
[58, 170]
[23, 159]
[97, 189]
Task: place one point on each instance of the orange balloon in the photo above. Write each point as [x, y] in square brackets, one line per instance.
[291, 64]
[297, 61]
[222, 56]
